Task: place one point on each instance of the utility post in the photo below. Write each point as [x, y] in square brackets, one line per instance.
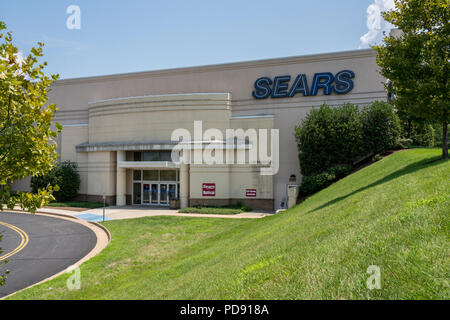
[104, 204]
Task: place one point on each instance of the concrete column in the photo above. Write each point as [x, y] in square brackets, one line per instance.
[184, 185]
[121, 180]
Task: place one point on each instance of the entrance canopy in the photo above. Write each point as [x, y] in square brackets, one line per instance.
[126, 146]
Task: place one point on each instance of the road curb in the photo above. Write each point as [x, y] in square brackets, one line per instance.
[102, 234]
[58, 214]
[76, 218]
[102, 227]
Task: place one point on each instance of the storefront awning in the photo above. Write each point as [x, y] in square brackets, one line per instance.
[161, 145]
[147, 164]
[126, 146]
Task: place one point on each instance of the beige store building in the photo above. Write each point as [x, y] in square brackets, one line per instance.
[118, 128]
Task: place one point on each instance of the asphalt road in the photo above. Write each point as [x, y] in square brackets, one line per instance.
[39, 247]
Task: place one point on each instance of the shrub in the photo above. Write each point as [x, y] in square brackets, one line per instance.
[210, 210]
[424, 138]
[238, 205]
[340, 171]
[341, 135]
[376, 157]
[331, 140]
[403, 143]
[312, 184]
[327, 137]
[312, 140]
[423, 135]
[438, 134]
[65, 175]
[380, 126]
[345, 134]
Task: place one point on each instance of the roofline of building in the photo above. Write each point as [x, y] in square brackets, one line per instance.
[351, 54]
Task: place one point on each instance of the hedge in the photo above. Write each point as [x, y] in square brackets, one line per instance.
[329, 136]
[331, 140]
[380, 127]
[65, 175]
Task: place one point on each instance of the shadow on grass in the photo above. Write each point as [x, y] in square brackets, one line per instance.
[419, 165]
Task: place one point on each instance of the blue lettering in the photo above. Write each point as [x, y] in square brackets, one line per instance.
[300, 85]
[319, 83]
[262, 88]
[340, 84]
[280, 86]
[343, 82]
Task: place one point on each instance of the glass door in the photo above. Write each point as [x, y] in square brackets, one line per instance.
[137, 193]
[145, 193]
[163, 194]
[155, 193]
[172, 191]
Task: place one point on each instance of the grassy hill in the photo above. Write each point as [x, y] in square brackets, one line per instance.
[393, 214]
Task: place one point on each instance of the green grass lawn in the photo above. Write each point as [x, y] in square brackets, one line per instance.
[77, 204]
[393, 214]
[216, 210]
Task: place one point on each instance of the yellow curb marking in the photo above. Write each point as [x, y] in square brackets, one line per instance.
[24, 240]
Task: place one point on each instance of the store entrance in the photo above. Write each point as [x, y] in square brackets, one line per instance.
[154, 192]
[157, 193]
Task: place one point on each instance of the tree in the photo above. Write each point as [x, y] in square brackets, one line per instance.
[416, 60]
[64, 175]
[27, 146]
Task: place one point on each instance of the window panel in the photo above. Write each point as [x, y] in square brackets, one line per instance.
[151, 175]
[168, 175]
[150, 156]
[137, 156]
[137, 175]
[165, 155]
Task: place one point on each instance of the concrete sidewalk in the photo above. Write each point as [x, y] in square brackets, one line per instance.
[129, 212]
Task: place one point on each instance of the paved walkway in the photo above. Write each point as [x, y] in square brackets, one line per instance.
[128, 212]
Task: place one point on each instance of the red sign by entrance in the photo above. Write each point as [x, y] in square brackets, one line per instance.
[250, 192]
[209, 190]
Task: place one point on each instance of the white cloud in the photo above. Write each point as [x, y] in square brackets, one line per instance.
[375, 23]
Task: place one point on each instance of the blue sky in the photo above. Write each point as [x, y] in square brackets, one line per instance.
[135, 35]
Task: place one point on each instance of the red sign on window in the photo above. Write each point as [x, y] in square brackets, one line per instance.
[250, 192]
[209, 189]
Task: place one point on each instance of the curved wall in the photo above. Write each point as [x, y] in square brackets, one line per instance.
[154, 118]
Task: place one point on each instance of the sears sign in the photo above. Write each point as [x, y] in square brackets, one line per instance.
[283, 87]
